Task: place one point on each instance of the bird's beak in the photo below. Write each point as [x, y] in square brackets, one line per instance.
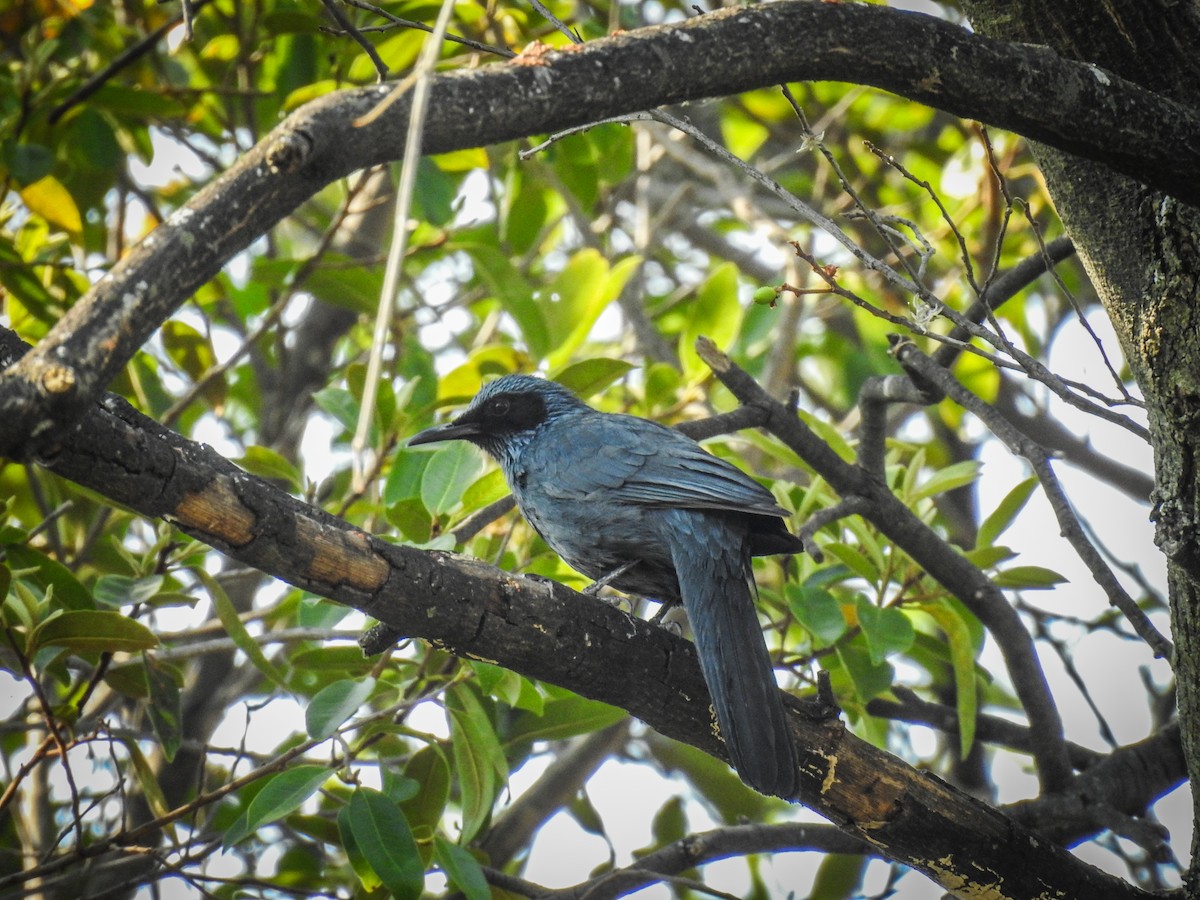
[451, 431]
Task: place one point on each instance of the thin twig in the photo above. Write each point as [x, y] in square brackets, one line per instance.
[399, 22]
[573, 36]
[54, 734]
[964, 254]
[567, 132]
[381, 69]
[909, 356]
[1006, 286]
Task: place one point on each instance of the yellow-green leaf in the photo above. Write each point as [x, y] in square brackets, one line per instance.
[49, 199]
[962, 660]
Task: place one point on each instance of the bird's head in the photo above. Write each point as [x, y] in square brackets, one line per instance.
[504, 414]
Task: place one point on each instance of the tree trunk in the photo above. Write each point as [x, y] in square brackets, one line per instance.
[1142, 252]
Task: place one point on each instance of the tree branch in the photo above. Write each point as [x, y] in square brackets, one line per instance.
[1025, 88]
[531, 627]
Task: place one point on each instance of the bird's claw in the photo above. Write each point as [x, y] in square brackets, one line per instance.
[673, 627]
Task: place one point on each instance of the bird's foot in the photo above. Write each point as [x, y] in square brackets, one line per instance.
[379, 638]
[663, 609]
[673, 627]
[819, 707]
[618, 601]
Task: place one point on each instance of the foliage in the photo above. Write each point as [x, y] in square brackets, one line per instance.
[598, 260]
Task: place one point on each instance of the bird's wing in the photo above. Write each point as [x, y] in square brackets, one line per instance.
[648, 464]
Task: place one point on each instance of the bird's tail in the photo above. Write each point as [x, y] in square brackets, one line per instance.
[712, 560]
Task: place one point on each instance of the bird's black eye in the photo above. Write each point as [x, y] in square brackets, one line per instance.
[498, 407]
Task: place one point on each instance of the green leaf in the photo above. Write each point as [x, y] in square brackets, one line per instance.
[947, 479]
[404, 477]
[399, 788]
[267, 463]
[412, 520]
[427, 767]
[1028, 577]
[522, 209]
[237, 631]
[989, 557]
[340, 404]
[818, 611]
[585, 814]
[867, 678]
[381, 835]
[349, 286]
[94, 143]
[478, 757]
[334, 704]
[164, 705]
[1004, 514]
[68, 590]
[853, 559]
[302, 95]
[867, 543]
[887, 630]
[471, 717]
[121, 590]
[188, 348]
[839, 875]
[962, 659]
[488, 488]
[723, 792]
[565, 717]
[281, 795]
[515, 294]
[461, 868]
[28, 162]
[49, 199]
[358, 862]
[87, 630]
[435, 192]
[591, 376]
[147, 782]
[714, 313]
[830, 434]
[578, 295]
[508, 687]
[452, 468]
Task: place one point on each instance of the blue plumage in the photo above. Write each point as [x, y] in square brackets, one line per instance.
[605, 490]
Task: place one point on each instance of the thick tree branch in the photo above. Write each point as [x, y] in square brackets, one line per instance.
[1024, 88]
[1126, 781]
[531, 627]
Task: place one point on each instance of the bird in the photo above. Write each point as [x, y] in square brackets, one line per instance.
[638, 505]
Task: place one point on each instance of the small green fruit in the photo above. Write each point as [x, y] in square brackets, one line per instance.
[766, 296]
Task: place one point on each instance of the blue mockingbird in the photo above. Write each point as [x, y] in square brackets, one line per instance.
[645, 508]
